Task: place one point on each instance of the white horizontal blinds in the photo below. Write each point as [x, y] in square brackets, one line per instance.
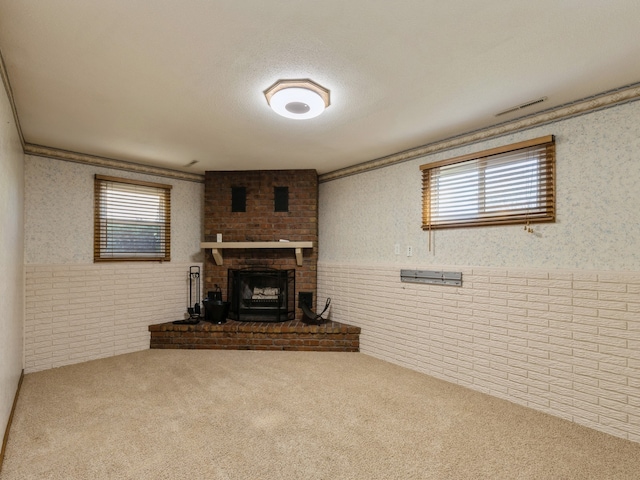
[498, 186]
[132, 220]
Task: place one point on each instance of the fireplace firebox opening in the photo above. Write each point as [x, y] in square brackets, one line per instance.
[261, 295]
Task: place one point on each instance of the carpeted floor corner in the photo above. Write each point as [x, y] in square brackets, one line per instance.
[189, 414]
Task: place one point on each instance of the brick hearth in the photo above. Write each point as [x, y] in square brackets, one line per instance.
[290, 335]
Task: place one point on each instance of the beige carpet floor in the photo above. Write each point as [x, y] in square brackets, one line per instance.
[171, 414]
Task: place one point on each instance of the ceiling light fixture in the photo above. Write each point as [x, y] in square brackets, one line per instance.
[297, 99]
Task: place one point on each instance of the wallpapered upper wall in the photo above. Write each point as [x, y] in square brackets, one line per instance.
[362, 217]
[59, 212]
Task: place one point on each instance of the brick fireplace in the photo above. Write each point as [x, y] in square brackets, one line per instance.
[262, 206]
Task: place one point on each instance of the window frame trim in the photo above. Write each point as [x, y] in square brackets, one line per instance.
[483, 156]
[98, 179]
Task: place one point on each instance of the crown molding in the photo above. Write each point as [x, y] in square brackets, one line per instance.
[55, 153]
[9, 91]
[58, 154]
[612, 98]
[608, 99]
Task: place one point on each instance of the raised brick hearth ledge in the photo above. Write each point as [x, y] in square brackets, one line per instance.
[290, 335]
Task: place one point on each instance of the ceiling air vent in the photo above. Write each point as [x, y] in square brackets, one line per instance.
[521, 106]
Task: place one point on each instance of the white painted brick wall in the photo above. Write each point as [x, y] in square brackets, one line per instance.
[563, 342]
[76, 313]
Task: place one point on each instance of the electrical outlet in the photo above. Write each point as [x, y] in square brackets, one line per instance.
[409, 251]
[396, 249]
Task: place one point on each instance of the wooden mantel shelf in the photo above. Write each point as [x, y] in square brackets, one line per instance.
[217, 247]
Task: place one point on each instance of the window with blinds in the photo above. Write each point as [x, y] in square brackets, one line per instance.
[132, 220]
[505, 185]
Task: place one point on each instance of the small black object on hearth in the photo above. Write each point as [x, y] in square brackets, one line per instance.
[215, 310]
[310, 317]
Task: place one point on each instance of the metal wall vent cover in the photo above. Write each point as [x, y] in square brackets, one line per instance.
[521, 106]
[432, 277]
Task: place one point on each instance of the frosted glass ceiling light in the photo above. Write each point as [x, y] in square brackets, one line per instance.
[297, 99]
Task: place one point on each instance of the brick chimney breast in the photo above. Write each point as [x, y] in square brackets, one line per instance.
[264, 219]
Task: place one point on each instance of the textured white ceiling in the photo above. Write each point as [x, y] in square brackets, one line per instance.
[165, 82]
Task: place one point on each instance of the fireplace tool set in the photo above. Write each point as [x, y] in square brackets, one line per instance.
[193, 309]
[215, 310]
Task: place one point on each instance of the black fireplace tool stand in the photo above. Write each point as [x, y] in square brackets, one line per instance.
[194, 303]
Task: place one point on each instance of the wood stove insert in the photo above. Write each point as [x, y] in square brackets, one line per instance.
[261, 295]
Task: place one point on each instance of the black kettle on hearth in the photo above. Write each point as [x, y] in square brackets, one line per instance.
[215, 310]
